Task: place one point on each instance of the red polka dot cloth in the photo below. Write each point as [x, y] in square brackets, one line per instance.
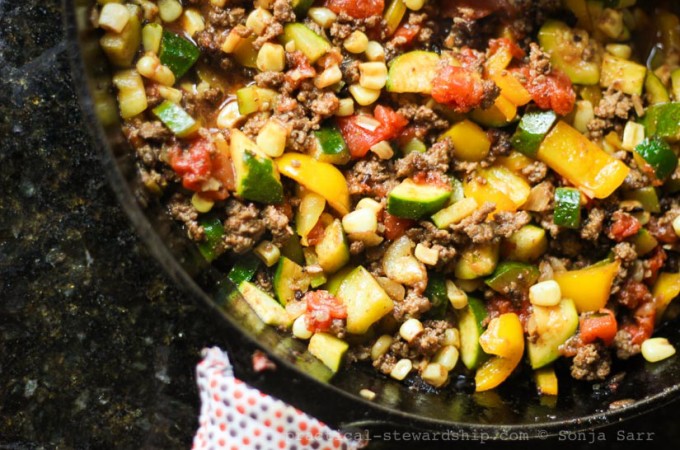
[235, 416]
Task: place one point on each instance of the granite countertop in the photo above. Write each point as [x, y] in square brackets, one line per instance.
[97, 344]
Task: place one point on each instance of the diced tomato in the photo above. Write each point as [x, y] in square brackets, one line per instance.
[411, 132]
[301, 70]
[395, 227]
[515, 50]
[655, 263]
[633, 294]
[200, 163]
[624, 226]
[553, 91]
[315, 235]
[360, 140]
[359, 9]
[643, 327]
[458, 88]
[261, 362]
[322, 309]
[405, 34]
[662, 230]
[600, 325]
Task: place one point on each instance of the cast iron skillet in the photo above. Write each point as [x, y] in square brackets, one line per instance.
[634, 388]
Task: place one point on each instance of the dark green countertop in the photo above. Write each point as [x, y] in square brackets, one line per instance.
[97, 345]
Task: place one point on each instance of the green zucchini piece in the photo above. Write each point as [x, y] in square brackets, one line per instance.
[526, 245]
[334, 282]
[567, 207]
[470, 325]
[244, 269]
[393, 15]
[626, 76]
[256, 176]
[289, 278]
[176, 119]
[300, 7]
[659, 155]
[311, 259]
[267, 309]
[513, 277]
[554, 325]
[307, 41]
[366, 301]
[457, 191]
[177, 53]
[121, 48]
[477, 261]
[213, 230]
[330, 146]
[412, 72]
[252, 99]
[663, 120]
[333, 250]
[647, 197]
[436, 293]
[532, 128]
[413, 145]
[644, 242]
[411, 200]
[567, 52]
[328, 349]
[292, 249]
[656, 91]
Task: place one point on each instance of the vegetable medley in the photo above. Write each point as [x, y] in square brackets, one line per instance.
[434, 188]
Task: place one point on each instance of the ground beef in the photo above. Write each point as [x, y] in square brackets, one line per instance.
[633, 293]
[624, 345]
[350, 71]
[255, 123]
[356, 247]
[500, 142]
[283, 11]
[615, 107]
[444, 241]
[346, 24]
[592, 362]
[154, 131]
[263, 280]
[277, 222]
[385, 363]
[243, 226]
[423, 117]
[539, 61]
[270, 80]
[202, 103]
[594, 224]
[431, 339]
[507, 223]
[414, 305]
[153, 94]
[182, 210]
[625, 251]
[435, 159]
[475, 227]
[370, 177]
[635, 179]
[535, 172]
[272, 30]
[225, 17]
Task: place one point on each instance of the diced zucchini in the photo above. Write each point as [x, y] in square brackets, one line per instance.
[665, 290]
[317, 279]
[307, 41]
[365, 300]
[334, 282]
[121, 48]
[553, 325]
[311, 207]
[292, 249]
[647, 197]
[659, 155]
[412, 72]
[393, 15]
[256, 176]
[329, 349]
[176, 119]
[644, 242]
[267, 309]
[526, 245]
[470, 325]
[411, 200]
[477, 261]
[513, 277]
[177, 53]
[437, 294]
[333, 250]
[330, 146]
[301, 7]
[532, 129]
[455, 213]
[503, 180]
[212, 232]
[289, 278]
[244, 269]
[567, 208]
[656, 91]
[624, 75]
[567, 52]
[663, 120]
[495, 116]
[470, 141]
[252, 99]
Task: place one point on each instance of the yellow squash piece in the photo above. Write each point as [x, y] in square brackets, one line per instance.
[500, 337]
[365, 299]
[546, 381]
[328, 349]
[584, 164]
[470, 141]
[590, 287]
[504, 188]
[498, 369]
[323, 178]
[666, 288]
[512, 90]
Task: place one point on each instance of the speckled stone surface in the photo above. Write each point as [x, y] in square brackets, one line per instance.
[97, 346]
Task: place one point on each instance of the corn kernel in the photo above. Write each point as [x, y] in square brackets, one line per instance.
[232, 40]
[410, 329]
[447, 357]
[401, 369]
[271, 58]
[414, 5]
[360, 221]
[192, 22]
[383, 149]
[619, 50]
[356, 42]
[369, 203]
[149, 66]
[583, 115]
[258, 20]
[373, 75]
[300, 329]
[152, 34]
[426, 255]
[435, 374]
[202, 204]
[345, 107]
[150, 9]
[633, 135]
[395, 290]
[114, 17]
[457, 297]
[657, 349]
[375, 51]
[272, 138]
[169, 93]
[324, 17]
[131, 93]
[367, 394]
[381, 346]
[169, 10]
[268, 253]
[328, 77]
[452, 337]
[218, 3]
[545, 293]
[676, 226]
